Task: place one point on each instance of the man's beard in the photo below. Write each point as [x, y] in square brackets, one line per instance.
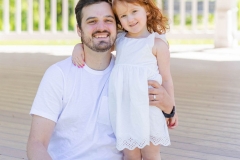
[101, 46]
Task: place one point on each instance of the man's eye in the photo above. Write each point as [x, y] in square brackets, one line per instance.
[91, 22]
[109, 21]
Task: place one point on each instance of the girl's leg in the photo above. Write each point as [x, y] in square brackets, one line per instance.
[132, 154]
[151, 152]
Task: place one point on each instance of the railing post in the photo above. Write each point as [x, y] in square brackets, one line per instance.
[6, 16]
[42, 16]
[159, 4]
[30, 16]
[171, 12]
[226, 27]
[18, 16]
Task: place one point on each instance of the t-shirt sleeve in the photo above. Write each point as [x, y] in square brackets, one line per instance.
[48, 102]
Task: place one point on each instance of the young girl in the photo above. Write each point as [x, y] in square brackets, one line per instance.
[142, 54]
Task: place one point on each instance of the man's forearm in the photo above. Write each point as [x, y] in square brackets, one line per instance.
[168, 97]
[37, 151]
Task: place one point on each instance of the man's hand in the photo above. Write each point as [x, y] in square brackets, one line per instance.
[163, 101]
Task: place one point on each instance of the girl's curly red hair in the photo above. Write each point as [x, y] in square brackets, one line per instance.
[156, 22]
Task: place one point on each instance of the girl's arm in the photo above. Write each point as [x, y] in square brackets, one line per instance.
[161, 51]
[78, 55]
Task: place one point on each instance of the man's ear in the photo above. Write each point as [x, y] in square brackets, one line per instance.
[79, 31]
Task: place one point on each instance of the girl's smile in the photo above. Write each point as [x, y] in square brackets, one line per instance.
[133, 19]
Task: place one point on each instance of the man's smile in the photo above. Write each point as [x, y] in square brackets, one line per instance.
[100, 36]
[103, 34]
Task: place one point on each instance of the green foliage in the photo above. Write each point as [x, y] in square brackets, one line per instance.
[24, 15]
[1, 15]
[35, 15]
[188, 21]
[71, 15]
[12, 14]
[47, 15]
[59, 15]
[176, 19]
[238, 14]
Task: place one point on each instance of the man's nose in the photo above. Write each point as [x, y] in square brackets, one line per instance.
[101, 26]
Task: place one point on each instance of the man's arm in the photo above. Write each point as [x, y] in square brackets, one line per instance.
[40, 134]
[162, 101]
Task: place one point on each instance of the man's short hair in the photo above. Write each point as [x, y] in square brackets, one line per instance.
[84, 3]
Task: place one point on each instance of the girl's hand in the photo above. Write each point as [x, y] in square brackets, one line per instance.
[172, 122]
[78, 55]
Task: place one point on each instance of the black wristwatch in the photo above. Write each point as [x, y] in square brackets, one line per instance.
[169, 115]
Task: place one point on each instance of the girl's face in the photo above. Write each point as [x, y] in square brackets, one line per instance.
[133, 18]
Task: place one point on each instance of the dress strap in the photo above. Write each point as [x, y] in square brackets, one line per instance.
[151, 38]
[162, 37]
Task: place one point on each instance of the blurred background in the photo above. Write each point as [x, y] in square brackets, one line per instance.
[53, 21]
[204, 39]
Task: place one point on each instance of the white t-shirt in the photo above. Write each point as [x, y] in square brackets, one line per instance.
[77, 100]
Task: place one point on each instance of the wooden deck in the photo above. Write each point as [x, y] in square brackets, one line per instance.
[207, 96]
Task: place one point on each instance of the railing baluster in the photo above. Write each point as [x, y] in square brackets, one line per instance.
[6, 16]
[42, 16]
[205, 13]
[53, 16]
[159, 4]
[171, 12]
[30, 16]
[65, 16]
[194, 14]
[205, 32]
[18, 17]
[183, 13]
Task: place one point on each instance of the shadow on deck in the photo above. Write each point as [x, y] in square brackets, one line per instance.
[207, 97]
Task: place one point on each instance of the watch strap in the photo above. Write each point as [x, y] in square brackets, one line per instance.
[166, 115]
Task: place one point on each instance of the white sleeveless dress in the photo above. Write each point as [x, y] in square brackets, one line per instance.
[134, 122]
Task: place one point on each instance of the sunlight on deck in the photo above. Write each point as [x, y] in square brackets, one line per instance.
[208, 53]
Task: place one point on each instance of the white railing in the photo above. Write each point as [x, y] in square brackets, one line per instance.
[41, 33]
[177, 31]
[182, 31]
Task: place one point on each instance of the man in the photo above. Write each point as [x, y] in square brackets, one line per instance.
[70, 112]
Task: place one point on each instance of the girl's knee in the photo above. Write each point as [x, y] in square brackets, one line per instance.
[132, 154]
[151, 152]
[151, 156]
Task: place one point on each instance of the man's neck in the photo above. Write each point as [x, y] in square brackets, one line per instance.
[97, 60]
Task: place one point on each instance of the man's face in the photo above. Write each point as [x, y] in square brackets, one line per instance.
[98, 30]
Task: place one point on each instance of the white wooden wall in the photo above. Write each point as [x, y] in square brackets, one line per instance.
[176, 32]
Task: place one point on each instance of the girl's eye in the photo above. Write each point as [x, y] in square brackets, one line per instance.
[134, 11]
[123, 16]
